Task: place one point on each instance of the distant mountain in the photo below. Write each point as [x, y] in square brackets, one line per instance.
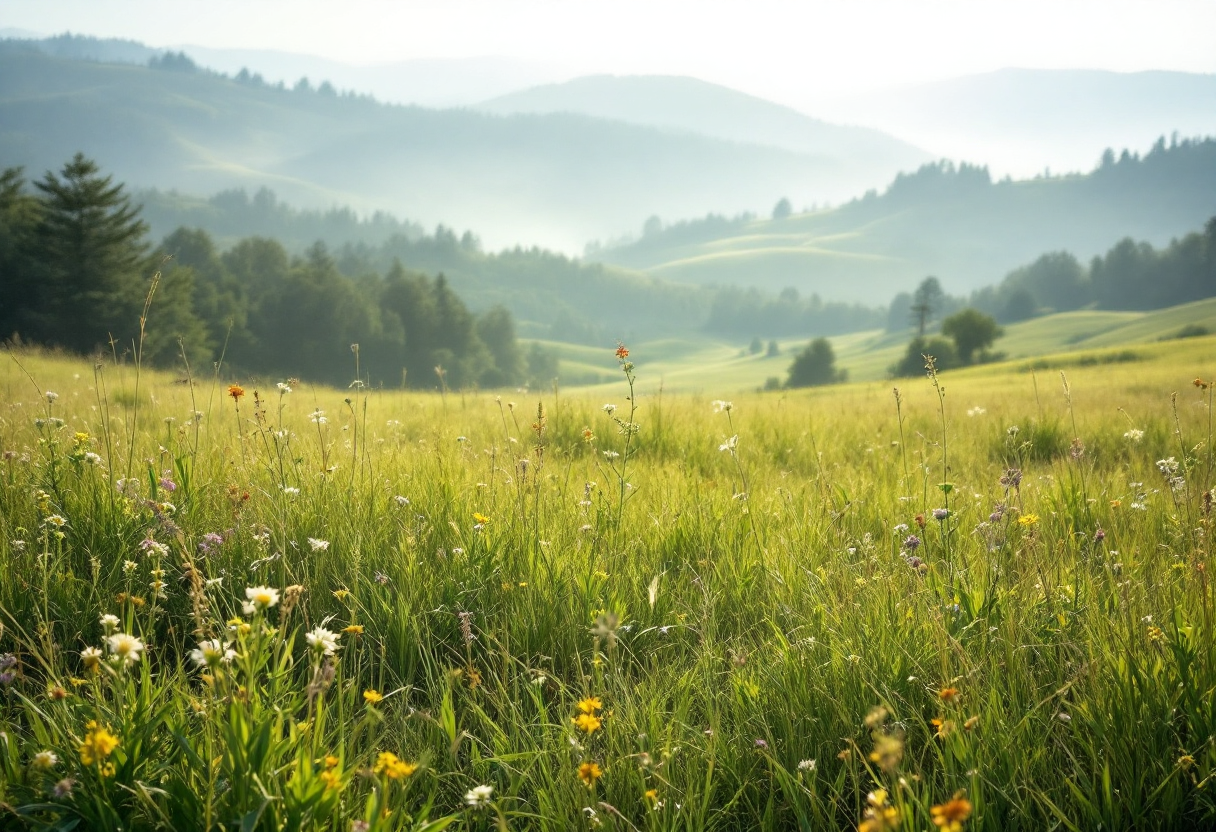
[950, 221]
[694, 106]
[557, 180]
[1021, 121]
[437, 82]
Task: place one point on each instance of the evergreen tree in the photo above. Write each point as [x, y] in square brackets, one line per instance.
[926, 303]
[18, 212]
[496, 330]
[91, 259]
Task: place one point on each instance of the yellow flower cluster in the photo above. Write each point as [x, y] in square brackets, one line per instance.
[587, 720]
[98, 744]
[393, 767]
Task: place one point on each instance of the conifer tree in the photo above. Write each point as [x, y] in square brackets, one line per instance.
[89, 248]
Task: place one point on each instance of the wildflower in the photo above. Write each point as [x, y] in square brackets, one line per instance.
[56, 520]
[971, 723]
[588, 435]
[1076, 450]
[353, 629]
[610, 409]
[721, 406]
[807, 765]
[590, 705]
[91, 656]
[212, 652]
[1012, 478]
[587, 723]
[976, 411]
[323, 642]
[621, 352]
[58, 693]
[1155, 634]
[109, 623]
[291, 490]
[942, 727]
[479, 796]
[153, 548]
[761, 743]
[372, 696]
[653, 796]
[1028, 520]
[318, 417]
[63, 789]
[879, 815]
[940, 514]
[236, 391]
[98, 744]
[948, 694]
[393, 767]
[1185, 762]
[125, 648]
[912, 543]
[381, 578]
[167, 483]
[401, 502]
[730, 444]
[1135, 435]
[949, 816]
[261, 597]
[589, 773]
[91, 458]
[318, 545]
[45, 760]
[888, 752]
[480, 519]
[284, 389]
[51, 396]
[331, 779]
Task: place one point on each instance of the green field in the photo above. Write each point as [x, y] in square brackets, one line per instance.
[714, 367]
[370, 610]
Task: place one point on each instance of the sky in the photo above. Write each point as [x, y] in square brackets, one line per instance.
[787, 51]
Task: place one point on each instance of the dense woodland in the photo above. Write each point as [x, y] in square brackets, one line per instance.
[79, 270]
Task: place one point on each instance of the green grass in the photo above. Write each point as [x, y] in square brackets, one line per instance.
[766, 646]
[709, 365]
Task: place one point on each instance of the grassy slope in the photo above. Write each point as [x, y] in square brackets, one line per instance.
[703, 363]
[965, 230]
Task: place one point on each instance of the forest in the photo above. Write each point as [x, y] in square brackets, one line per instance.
[81, 275]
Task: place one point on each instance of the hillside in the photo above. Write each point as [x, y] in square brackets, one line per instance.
[952, 222]
[694, 106]
[556, 180]
[710, 365]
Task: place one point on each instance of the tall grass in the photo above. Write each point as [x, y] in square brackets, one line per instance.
[749, 619]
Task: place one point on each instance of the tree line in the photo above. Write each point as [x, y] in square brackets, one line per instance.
[79, 271]
[1130, 276]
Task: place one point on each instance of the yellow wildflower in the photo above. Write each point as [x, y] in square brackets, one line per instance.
[589, 773]
[393, 767]
[480, 519]
[590, 705]
[949, 816]
[98, 744]
[354, 629]
[332, 780]
[587, 723]
[372, 696]
[1028, 520]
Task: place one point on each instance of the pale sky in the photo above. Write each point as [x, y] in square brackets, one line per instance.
[787, 51]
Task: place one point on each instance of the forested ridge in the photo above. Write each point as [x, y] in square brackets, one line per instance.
[80, 271]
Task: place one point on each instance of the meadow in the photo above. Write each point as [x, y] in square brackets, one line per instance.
[977, 601]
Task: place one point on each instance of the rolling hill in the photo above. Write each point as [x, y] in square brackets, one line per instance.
[689, 105]
[950, 221]
[554, 179]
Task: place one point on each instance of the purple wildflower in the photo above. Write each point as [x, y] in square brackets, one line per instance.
[912, 543]
[940, 514]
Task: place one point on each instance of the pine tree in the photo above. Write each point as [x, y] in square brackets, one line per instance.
[89, 251]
